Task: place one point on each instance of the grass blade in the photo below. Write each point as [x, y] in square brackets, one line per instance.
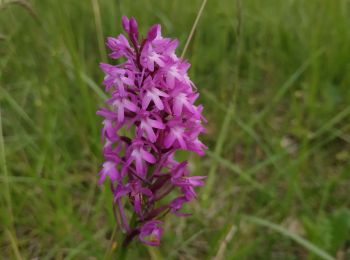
[286, 86]
[199, 14]
[24, 4]
[184, 244]
[19, 110]
[327, 126]
[300, 240]
[92, 84]
[221, 252]
[5, 174]
[237, 170]
[218, 149]
[14, 245]
[98, 25]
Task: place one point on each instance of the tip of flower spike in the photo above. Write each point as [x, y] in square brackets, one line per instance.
[133, 25]
[125, 24]
[130, 26]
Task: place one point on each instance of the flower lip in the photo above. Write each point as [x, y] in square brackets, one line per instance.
[151, 232]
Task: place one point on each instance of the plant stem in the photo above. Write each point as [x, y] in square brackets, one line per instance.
[124, 243]
[123, 250]
[110, 248]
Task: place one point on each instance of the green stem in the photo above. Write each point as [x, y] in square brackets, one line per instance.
[122, 252]
[124, 241]
[110, 248]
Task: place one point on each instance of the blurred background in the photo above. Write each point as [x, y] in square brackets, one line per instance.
[274, 79]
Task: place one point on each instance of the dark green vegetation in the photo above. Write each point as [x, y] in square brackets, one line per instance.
[275, 81]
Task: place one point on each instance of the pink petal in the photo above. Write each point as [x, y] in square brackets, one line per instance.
[177, 107]
[159, 62]
[159, 92]
[102, 177]
[170, 80]
[150, 133]
[120, 193]
[139, 165]
[145, 101]
[196, 180]
[169, 140]
[120, 113]
[147, 156]
[155, 123]
[150, 64]
[130, 105]
[152, 33]
[158, 102]
[127, 81]
[147, 192]
[137, 204]
[181, 142]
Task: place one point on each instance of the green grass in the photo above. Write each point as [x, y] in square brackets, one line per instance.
[274, 78]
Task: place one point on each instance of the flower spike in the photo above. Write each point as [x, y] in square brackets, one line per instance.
[152, 101]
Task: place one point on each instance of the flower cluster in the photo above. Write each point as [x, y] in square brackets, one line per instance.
[150, 115]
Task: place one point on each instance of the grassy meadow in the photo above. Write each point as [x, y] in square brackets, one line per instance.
[274, 78]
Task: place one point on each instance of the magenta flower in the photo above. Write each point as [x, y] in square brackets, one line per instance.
[151, 113]
[151, 232]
